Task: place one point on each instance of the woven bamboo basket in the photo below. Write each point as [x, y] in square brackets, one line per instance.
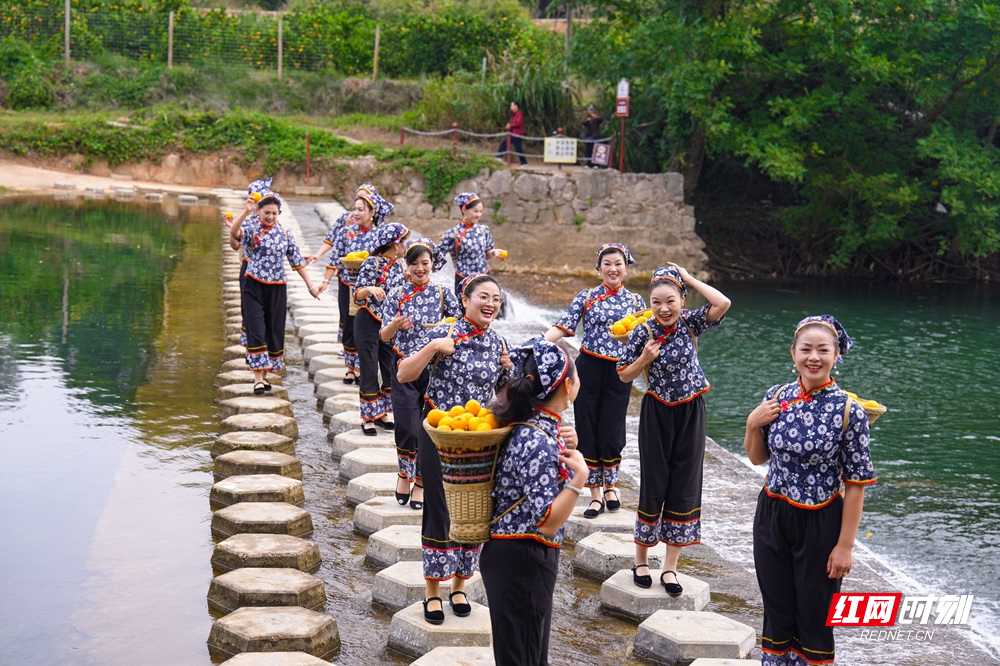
[468, 462]
[623, 338]
[352, 307]
[874, 412]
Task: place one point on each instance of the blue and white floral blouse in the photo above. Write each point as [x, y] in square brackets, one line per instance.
[331, 235]
[351, 237]
[245, 231]
[424, 304]
[472, 372]
[529, 467]
[675, 376]
[269, 247]
[599, 308]
[377, 271]
[811, 450]
[468, 247]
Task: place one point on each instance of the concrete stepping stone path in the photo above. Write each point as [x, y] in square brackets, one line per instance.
[402, 585]
[275, 659]
[255, 404]
[265, 587]
[338, 404]
[456, 656]
[676, 636]
[256, 488]
[410, 634]
[326, 362]
[343, 420]
[368, 460]
[252, 441]
[620, 595]
[282, 629]
[245, 377]
[353, 440]
[379, 513]
[367, 486]
[266, 550]
[246, 391]
[399, 543]
[579, 528]
[603, 554]
[238, 463]
[261, 518]
[276, 423]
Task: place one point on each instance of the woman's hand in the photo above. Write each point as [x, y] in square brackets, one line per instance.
[685, 276]
[377, 292]
[322, 287]
[649, 352]
[505, 361]
[404, 322]
[315, 291]
[569, 436]
[312, 259]
[840, 561]
[444, 346]
[251, 206]
[763, 414]
[574, 462]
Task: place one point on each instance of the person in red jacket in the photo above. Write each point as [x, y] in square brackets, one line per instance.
[516, 129]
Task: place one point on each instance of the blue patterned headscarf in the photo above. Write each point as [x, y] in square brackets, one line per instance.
[381, 207]
[844, 342]
[422, 242]
[367, 187]
[390, 234]
[618, 247]
[260, 186]
[669, 274]
[551, 359]
[463, 286]
[465, 199]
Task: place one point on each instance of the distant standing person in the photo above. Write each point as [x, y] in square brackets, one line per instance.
[516, 129]
[591, 132]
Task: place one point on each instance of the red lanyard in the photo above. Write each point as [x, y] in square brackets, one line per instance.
[606, 294]
[417, 288]
[804, 395]
[667, 332]
[256, 240]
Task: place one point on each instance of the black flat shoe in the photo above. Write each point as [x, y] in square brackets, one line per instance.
[673, 589]
[267, 387]
[371, 431]
[402, 498]
[612, 504]
[258, 388]
[435, 616]
[349, 377]
[644, 582]
[416, 505]
[594, 513]
[388, 425]
[461, 610]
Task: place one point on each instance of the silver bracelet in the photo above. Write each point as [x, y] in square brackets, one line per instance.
[578, 491]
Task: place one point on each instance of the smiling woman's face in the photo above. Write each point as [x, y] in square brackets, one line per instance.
[483, 303]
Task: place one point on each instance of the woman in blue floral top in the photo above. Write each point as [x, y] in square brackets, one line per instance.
[472, 363]
[370, 209]
[538, 480]
[242, 243]
[470, 244]
[264, 293]
[407, 313]
[380, 273]
[671, 418]
[599, 411]
[816, 439]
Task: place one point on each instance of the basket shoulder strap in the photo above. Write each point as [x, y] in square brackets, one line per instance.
[694, 337]
[847, 412]
[586, 301]
[438, 357]
[509, 509]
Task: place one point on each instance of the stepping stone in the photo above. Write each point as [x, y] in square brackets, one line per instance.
[335, 387]
[233, 309]
[333, 375]
[708, 661]
[246, 390]
[399, 543]
[381, 512]
[317, 338]
[322, 349]
[306, 323]
[309, 329]
[261, 518]
[265, 587]
[276, 423]
[603, 554]
[282, 629]
[366, 460]
[343, 420]
[402, 585]
[266, 550]
[238, 463]
[368, 486]
[256, 488]
[233, 329]
[340, 403]
[352, 440]
[455, 656]
[620, 595]
[578, 527]
[326, 362]
[239, 363]
[234, 351]
[238, 319]
[674, 636]
[233, 337]
[313, 307]
[245, 377]
[231, 287]
[275, 659]
[410, 634]
[252, 441]
[255, 404]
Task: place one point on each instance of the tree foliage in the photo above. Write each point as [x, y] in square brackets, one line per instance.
[879, 117]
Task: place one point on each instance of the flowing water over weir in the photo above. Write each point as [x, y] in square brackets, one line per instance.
[128, 545]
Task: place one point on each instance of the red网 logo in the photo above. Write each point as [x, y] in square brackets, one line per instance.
[863, 609]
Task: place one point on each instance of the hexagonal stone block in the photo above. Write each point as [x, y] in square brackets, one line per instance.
[255, 404]
[245, 377]
[620, 595]
[232, 337]
[343, 420]
[677, 636]
[233, 329]
[318, 338]
[276, 423]
[234, 319]
[332, 375]
[399, 543]
[238, 463]
[275, 659]
[707, 661]
[309, 329]
[261, 518]
[305, 309]
[281, 629]
[364, 461]
[239, 363]
[402, 585]
[265, 587]
[230, 391]
[238, 352]
[325, 362]
[322, 349]
[411, 634]
[336, 387]
[379, 513]
[256, 488]
[603, 554]
[343, 402]
[352, 440]
[365, 487]
[578, 527]
[252, 441]
[456, 656]
[265, 550]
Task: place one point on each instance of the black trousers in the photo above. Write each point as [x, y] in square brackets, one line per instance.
[347, 321]
[671, 459]
[407, 404]
[516, 147]
[790, 550]
[520, 579]
[599, 411]
[243, 278]
[378, 366]
[265, 307]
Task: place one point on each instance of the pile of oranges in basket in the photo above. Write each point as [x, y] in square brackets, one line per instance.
[624, 326]
[472, 417]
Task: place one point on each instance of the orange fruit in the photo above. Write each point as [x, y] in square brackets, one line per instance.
[503, 254]
[648, 314]
[870, 403]
[492, 421]
[445, 422]
[474, 423]
[444, 427]
[473, 407]
[459, 424]
[457, 410]
[434, 417]
[640, 320]
[483, 426]
[449, 320]
[256, 196]
[629, 325]
[229, 215]
[619, 329]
